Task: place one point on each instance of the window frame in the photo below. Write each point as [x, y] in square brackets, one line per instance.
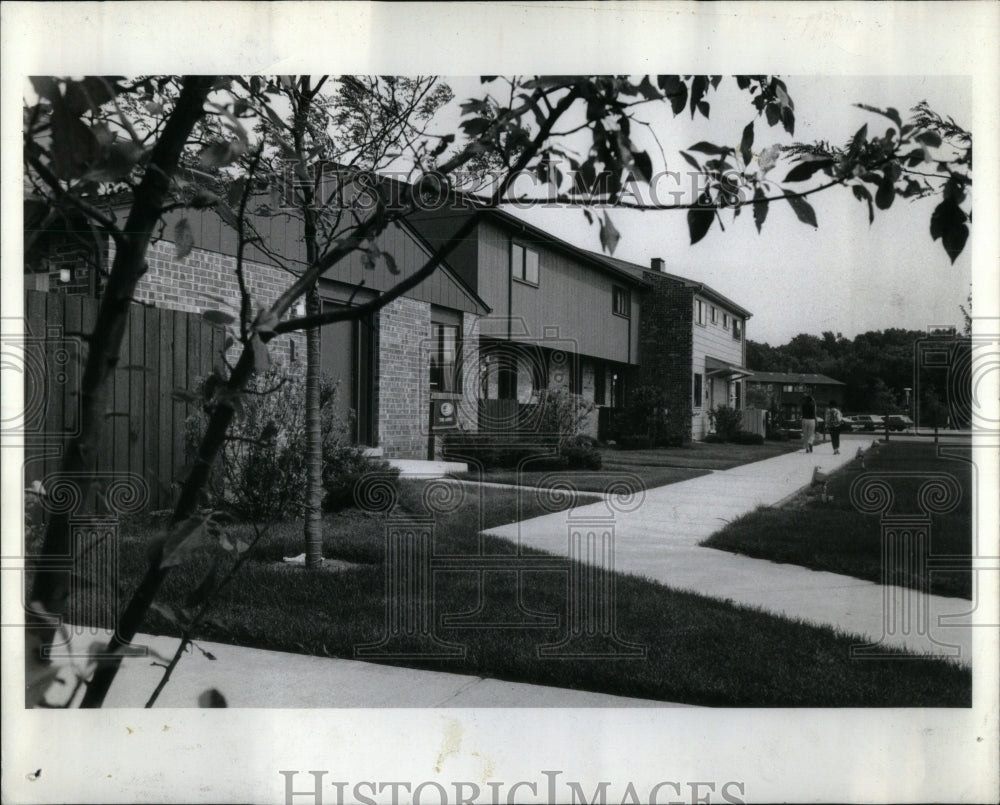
[714, 314]
[699, 313]
[436, 363]
[725, 321]
[623, 293]
[698, 390]
[521, 274]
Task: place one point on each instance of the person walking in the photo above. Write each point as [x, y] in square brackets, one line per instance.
[808, 421]
[834, 422]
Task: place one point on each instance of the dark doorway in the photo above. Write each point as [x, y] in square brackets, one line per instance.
[348, 358]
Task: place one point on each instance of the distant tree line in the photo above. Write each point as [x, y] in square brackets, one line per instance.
[878, 366]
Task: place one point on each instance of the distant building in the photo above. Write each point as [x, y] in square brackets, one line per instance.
[785, 390]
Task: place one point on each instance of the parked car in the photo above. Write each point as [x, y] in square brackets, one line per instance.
[864, 421]
[900, 422]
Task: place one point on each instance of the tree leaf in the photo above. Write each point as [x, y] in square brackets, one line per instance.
[675, 90]
[183, 239]
[929, 138]
[746, 143]
[948, 222]
[643, 165]
[390, 263]
[691, 161]
[710, 148]
[185, 396]
[886, 192]
[699, 221]
[805, 170]
[803, 210]
[235, 194]
[218, 317]
[861, 193]
[699, 86]
[212, 698]
[182, 540]
[760, 208]
[609, 235]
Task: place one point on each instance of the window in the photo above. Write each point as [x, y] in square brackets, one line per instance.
[725, 321]
[600, 385]
[788, 388]
[697, 390]
[621, 301]
[737, 330]
[699, 312]
[715, 315]
[524, 264]
[444, 354]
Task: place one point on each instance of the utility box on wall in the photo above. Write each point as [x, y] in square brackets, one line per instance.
[443, 418]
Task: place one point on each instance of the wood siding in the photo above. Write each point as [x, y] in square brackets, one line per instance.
[571, 297]
[714, 341]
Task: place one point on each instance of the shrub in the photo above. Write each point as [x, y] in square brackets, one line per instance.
[343, 466]
[727, 421]
[493, 450]
[648, 420]
[563, 414]
[777, 435]
[580, 453]
[748, 437]
[635, 441]
[261, 472]
[713, 438]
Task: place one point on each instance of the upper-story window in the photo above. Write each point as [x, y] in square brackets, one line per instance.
[524, 263]
[725, 321]
[699, 311]
[621, 301]
[715, 315]
[737, 329]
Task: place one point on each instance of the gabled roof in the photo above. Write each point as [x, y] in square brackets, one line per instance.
[803, 378]
[697, 287]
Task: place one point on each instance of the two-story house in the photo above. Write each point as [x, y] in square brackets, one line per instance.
[562, 317]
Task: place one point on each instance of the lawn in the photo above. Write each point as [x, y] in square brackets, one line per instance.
[655, 467]
[699, 650]
[696, 455]
[585, 480]
[837, 537]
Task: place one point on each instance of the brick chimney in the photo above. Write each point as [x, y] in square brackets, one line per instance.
[658, 264]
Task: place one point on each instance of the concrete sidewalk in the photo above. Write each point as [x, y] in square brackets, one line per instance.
[250, 677]
[659, 540]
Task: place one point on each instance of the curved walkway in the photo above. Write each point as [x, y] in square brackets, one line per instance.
[659, 540]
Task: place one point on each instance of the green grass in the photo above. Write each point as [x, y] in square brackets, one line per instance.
[699, 650]
[584, 480]
[696, 455]
[835, 536]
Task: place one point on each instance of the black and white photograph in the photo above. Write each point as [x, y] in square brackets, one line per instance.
[480, 404]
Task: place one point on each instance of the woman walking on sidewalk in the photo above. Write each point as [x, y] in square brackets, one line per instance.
[834, 422]
[808, 421]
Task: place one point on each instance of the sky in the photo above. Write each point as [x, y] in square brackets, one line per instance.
[846, 276]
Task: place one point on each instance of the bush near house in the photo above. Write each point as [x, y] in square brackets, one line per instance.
[727, 422]
[555, 442]
[648, 421]
[261, 472]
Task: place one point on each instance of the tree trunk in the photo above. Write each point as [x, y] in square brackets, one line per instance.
[313, 528]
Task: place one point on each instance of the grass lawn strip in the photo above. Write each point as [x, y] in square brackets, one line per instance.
[699, 650]
[834, 536]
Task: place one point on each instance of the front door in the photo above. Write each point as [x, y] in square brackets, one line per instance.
[347, 358]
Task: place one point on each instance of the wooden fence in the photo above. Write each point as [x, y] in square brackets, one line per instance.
[144, 432]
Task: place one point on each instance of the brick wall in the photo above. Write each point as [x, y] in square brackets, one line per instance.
[404, 327]
[188, 285]
[665, 346]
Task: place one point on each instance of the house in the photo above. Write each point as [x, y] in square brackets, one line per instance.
[562, 317]
[390, 367]
[512, 312]
[784, 391]
[621, 323]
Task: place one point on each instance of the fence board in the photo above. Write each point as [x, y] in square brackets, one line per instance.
[165, 424]
[135, 371]
[180, 380]
[151, 402]
[55, 360]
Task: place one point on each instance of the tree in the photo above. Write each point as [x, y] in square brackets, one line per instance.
[86, 140]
